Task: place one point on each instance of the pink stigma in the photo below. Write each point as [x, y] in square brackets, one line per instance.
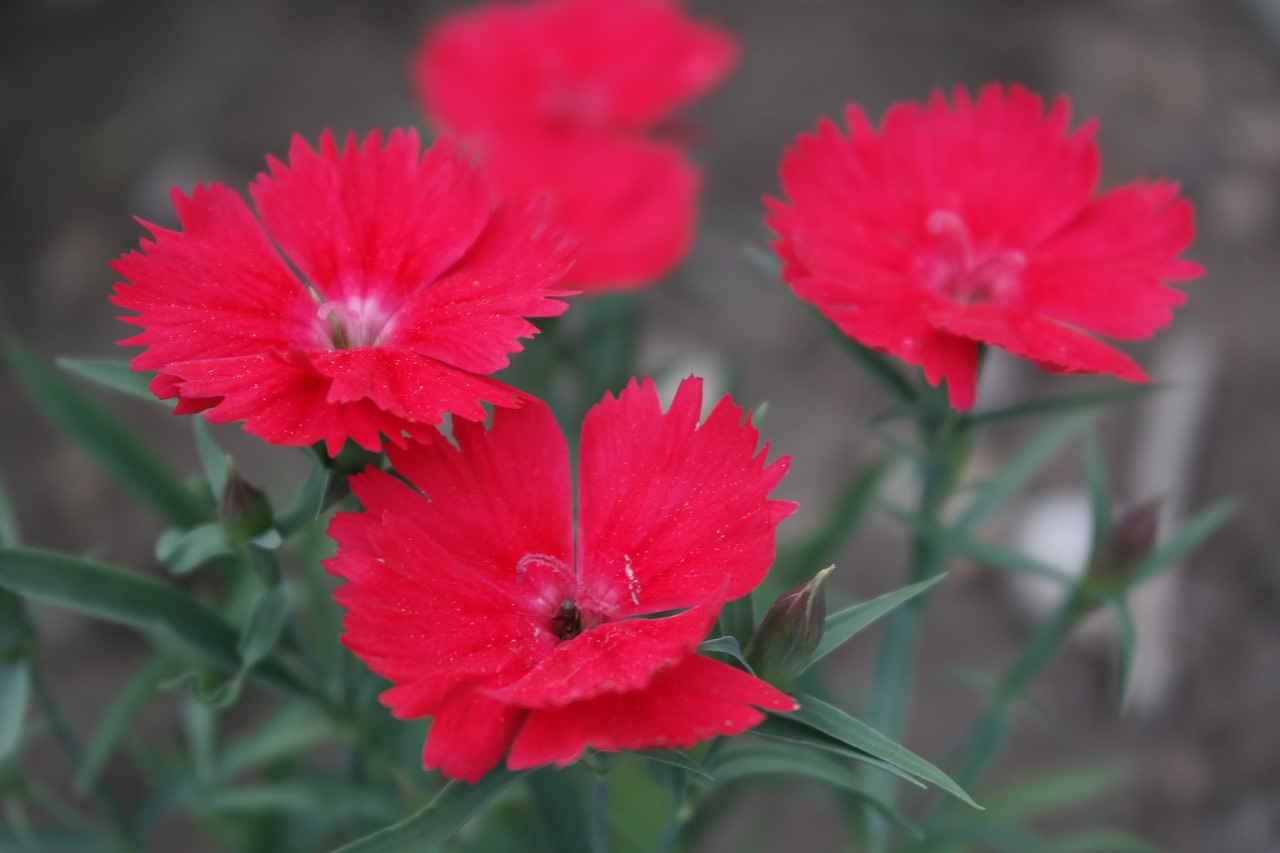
[952, 266]
[358, 321]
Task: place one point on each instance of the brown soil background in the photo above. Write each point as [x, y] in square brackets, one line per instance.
[105, 105]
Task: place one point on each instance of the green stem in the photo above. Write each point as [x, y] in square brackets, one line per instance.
[986, 736]
[944, 441]
[599, 813]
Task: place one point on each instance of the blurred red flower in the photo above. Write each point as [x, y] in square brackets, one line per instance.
[976, 223]
[471, 598]
[569, 99]
[413, 286]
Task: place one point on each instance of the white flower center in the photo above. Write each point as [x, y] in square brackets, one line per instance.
[964, 273]
[357, 321]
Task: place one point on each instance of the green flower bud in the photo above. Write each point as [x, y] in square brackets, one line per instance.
[791, 629]
[1126, 544]
[245, 509]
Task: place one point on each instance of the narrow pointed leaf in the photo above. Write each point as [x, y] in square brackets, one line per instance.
[725, 646]
[115, 374]
[842, 626]
[1014, 474]
[881, 369]
[782, 728]
[1128, 645]
[560, 802]
[1095, 468]
[212, 457]
[15, 689]
[9, 536]
[186, 550]
[1083, 401]
[1187, 539]
[835, 723]
[851, 506]
[129, 461]
[456, 803]
[768, 762]
[674, 758]
[119, 596]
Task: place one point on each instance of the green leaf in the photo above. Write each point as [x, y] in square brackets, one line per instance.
[1187, 539]
[835, 723]
[305, 506]
[132, 699]
[212, 458]
[266, 621]
[291, 731]
[131, 462]
[1015, 473]
[9, 536]
[561, 804]
[725, 646]
[882, 369]
[1128, 645]
[456, 803]
[823, 545]
[1101, 841]
[118, 596]
[1043, 794]
[842, 626]
[186, 550]
[15, 689]
[312, 798]
[115, 374]
[738, 618]
[782, 728]
[674, 758]
[1095, 468]
[765, 762]
[1083, 401]
[988, 553]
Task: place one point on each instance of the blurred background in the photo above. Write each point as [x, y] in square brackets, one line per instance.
[106, 104]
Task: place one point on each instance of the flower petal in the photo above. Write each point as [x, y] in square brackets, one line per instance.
[501, 504]
[470, 735]
[585, 64]
[697, 699]
[615, 657]
[473, 315]
[219, 272]
[631, 203]
[1105, 272]
[669, 510]
[372, 221]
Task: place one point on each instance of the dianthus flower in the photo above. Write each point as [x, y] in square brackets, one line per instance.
[977, 224]
[476, 600]
[601, 66]
[569, 99]
[414, 285]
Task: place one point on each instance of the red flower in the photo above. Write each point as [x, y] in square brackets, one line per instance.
[603, 66]
[630, 201]
[563, 98]
[958, 226]
[473, 601]
[414, 285]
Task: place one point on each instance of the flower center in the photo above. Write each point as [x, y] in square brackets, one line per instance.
[357, 321]
[567, 623]
[954, 267]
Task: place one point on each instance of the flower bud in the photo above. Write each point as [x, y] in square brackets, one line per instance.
[791, 629]
[1126, 544]
[245, 509]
